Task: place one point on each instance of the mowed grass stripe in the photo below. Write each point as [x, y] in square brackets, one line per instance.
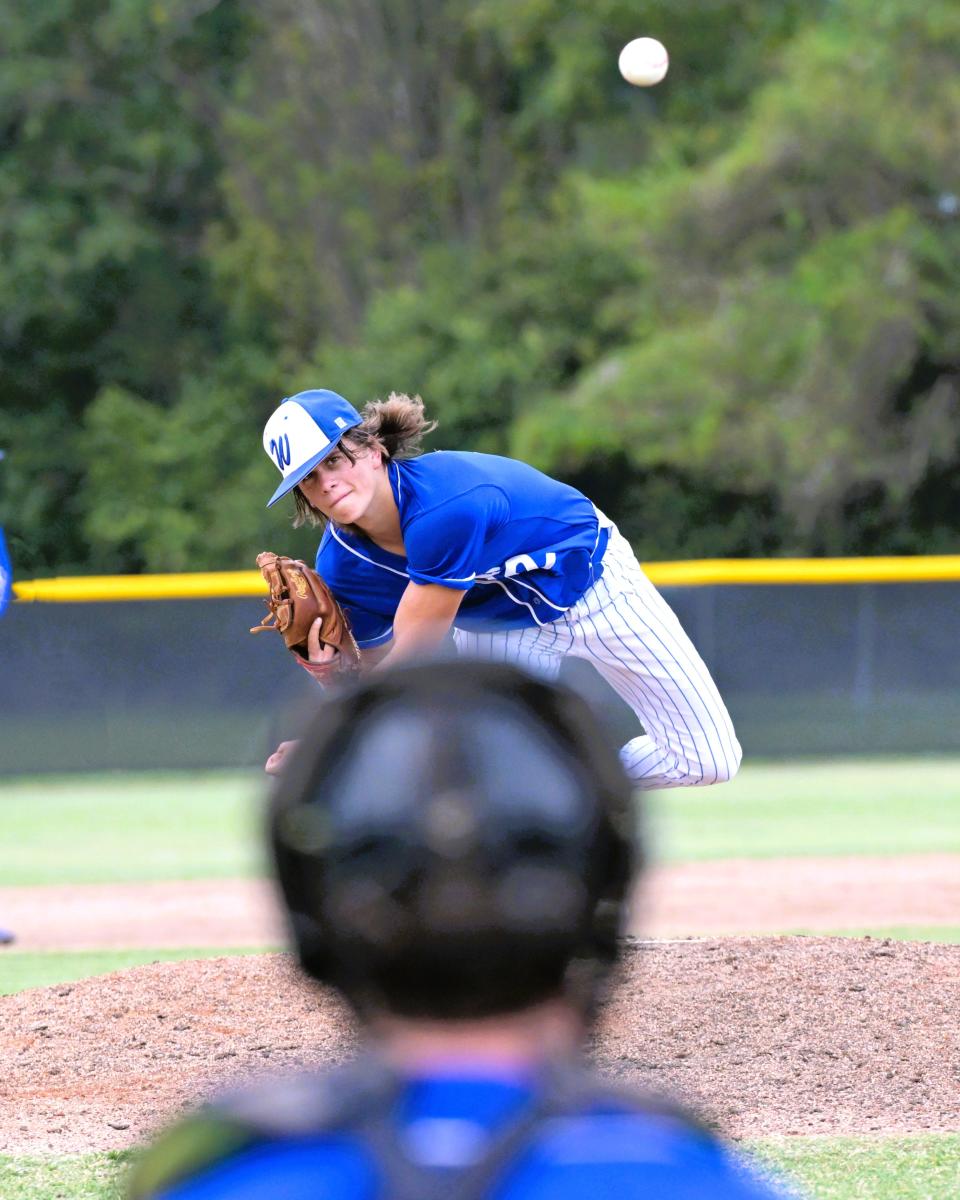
[81, 1177]
[122, 828]
[849, 807]
[23, 969]
[917, 1167]
[945, 934]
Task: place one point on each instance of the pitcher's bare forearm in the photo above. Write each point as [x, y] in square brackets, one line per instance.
[423, 619]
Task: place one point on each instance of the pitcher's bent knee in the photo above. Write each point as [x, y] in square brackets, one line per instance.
[726, 769]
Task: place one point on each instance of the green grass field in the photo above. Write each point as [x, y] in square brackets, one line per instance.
[124, 828]
[924, 1167]
[853, 807]
[22, 969]
[111, 828]
[106, 828]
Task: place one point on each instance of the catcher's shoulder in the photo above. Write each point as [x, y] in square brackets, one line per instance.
[276, 1112]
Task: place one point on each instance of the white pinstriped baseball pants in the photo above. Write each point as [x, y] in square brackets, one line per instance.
[624, 627]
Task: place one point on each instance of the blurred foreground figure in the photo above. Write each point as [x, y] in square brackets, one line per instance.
[452, 845]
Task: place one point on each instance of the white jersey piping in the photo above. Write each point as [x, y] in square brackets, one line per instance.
[373, 562]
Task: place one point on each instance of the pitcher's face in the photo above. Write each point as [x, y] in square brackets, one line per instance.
[343, 490]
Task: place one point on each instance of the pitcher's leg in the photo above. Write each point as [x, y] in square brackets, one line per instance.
[633, 638]
[539, 650]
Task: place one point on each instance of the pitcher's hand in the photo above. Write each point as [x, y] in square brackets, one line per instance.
[274, 764]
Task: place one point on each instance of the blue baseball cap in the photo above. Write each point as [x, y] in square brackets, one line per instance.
[303, 431]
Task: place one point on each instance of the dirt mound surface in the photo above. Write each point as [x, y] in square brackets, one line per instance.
[763, 1035]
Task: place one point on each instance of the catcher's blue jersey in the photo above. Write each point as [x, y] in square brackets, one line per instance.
[445, 1122]
[523, 546]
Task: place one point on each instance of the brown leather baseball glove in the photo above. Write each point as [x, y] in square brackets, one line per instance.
[298, 597]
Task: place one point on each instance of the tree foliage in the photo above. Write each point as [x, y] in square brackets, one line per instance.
[726, 306]
[107, 184]
[804, 340]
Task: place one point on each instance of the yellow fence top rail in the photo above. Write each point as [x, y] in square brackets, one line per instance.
[919, 569]
[195, 586]
[698, 573]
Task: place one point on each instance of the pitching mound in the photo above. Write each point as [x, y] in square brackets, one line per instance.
[763, 1035]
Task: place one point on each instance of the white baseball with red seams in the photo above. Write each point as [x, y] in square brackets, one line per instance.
[644, 61]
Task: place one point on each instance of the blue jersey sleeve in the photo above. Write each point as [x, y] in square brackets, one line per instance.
[445, 545]
[354, 582]
[368, 628]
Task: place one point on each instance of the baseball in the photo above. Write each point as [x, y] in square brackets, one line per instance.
[644, 61]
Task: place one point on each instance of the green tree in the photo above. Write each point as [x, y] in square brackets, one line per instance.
[725, 306]
[184, 487]
[107, 185]
[804, 338]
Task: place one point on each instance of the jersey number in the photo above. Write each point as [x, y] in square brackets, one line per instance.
[526, 562]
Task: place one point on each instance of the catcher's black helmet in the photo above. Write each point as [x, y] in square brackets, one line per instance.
[451, 840]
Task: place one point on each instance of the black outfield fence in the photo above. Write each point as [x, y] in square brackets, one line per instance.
[862, 668]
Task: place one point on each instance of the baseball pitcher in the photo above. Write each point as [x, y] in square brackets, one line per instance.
[515, 565]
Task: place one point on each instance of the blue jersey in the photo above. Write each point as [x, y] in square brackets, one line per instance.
[522, 546]
[6, 586]
[444, 1123]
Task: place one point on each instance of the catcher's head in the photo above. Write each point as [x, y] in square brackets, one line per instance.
[451, 841]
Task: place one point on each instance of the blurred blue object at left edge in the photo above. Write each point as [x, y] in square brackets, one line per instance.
[5, 574]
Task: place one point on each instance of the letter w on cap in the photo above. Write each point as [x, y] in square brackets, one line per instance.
[280, 449]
